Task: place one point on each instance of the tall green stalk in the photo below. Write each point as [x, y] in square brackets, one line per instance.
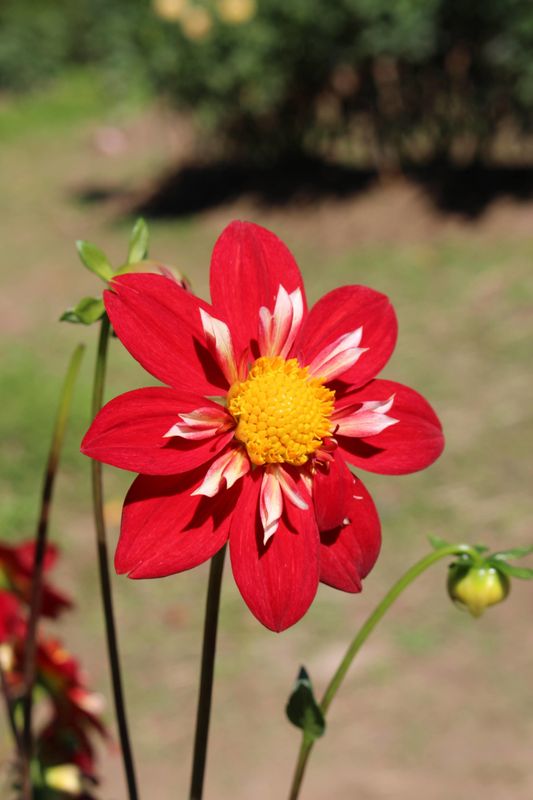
[10, 713]
[205, 694]
[25, 741]
[103, 565]
[361, 637]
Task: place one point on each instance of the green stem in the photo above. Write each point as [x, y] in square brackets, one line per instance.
[41, 537]
[203, 713]
[103, 565]
[361, 637]
[8, 701]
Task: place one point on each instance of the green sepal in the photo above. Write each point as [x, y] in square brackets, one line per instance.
[516, 552]
[437, 543]
[303, 710]
[95, 260]
[145, 265]
[524, 573]
[88, 310]
[139, 240]
[37, 776]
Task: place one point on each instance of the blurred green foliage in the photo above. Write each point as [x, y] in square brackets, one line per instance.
[271, 78]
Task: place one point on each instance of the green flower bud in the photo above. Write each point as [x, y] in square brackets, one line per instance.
[474, 588]
[65, 778]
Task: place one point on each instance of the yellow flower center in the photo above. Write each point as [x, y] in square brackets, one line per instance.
[282, 414]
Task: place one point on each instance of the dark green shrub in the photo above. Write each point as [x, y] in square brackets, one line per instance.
[419, 78]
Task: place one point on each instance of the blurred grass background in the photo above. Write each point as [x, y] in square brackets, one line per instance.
[439, 705]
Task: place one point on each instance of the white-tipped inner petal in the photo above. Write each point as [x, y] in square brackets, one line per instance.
[270, 504]
[281, 320]
[368, 420]
[337, 357]
[218, 338]
[278, 328]
[203, 423]
[289, 488]
[224, 472]
[297, 303]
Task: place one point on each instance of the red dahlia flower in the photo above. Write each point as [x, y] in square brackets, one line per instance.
[62, 677]
[10, 617]
[16, 575]
[266, 404]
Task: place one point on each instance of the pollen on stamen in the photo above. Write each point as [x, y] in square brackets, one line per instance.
[282, 414]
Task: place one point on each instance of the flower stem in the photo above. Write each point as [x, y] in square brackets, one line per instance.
[361, 637]
[103, 565]
[8, 701]
[41, 536]
[206, 678]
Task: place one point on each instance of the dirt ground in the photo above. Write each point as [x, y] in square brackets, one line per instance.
[438, 705]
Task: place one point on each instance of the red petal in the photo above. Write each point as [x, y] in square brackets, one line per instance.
[414, 443]
[348, 552]
[54, 602]
[19, 562]
[22, 556]
[129, 433]
[10, 617]
[159, 323]
[278, 581]
[344, 310]
[166, 530]
[332, 491]
[248, 266]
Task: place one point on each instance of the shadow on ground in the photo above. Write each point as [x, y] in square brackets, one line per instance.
[193, 188]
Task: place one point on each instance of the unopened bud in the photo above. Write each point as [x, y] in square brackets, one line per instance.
[476, 588]
[65, 778]
[158, 268]
[7, 657]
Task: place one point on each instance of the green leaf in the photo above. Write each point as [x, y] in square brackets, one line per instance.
[303, 710]
[523, 573]
[437, 543]
[88, 310]
[138, 242]
[95, 260]
[516, 552]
